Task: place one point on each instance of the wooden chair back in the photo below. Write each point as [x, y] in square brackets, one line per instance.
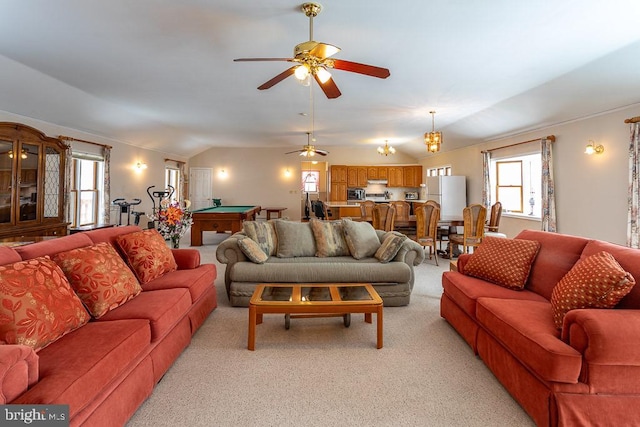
[494, 217]
[474, 217]
[402, 210]
[384, 216]
[366, 209]
[427, 217]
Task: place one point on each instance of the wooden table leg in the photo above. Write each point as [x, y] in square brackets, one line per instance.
[367, 317]
[379, 316]
[252, 328]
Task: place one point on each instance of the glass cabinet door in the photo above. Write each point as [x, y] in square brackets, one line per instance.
[7, 155]
[28, 188]
[52, 183]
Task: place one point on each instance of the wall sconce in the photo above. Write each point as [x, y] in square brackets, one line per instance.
[287, 173]
[140, 166]
[222, 173]
[593, 148]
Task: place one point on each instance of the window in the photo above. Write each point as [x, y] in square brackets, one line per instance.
[444, 170]
[86, 190]
[517, 184]
[172, 178]
[310, 180]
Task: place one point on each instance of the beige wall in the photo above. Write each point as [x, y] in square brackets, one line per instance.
[591, 191]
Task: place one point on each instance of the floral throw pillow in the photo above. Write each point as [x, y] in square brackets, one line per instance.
[37, 305]
[597, 281]
[99, 277]
[148, 254]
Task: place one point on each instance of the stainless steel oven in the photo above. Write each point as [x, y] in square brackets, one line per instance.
[355, 193]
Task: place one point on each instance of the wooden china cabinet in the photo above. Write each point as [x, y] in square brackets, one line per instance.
[32, 189]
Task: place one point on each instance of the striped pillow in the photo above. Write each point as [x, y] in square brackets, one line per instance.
[329, 238]
[264, 234]
[390, 246]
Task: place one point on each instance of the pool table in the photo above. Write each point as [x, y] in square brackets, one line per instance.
[220, 219]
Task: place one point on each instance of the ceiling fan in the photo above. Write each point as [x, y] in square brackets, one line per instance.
[312, 58]
[309, 150]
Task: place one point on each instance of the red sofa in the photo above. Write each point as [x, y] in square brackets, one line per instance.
[586, 374]
[107, 368]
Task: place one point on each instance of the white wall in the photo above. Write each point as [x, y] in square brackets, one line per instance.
[591, 191]
[125, 181]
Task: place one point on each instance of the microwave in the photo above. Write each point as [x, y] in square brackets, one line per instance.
[355, 193]
[411, 195]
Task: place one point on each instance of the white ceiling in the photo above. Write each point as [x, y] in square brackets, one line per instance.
[159, 74]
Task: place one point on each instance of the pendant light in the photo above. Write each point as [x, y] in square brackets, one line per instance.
[433, 139]
[386, 150]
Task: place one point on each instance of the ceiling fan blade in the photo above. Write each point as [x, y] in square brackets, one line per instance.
[356, 67]
[329, 87]
[277, 79]
[262, 59]
[296, 151]
[322, 152]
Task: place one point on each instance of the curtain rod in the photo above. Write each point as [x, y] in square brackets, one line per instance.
[173, 160]
[70, 138]
[633, 120]
[551, 138]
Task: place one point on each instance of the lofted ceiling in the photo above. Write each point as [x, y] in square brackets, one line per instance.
[160, 74]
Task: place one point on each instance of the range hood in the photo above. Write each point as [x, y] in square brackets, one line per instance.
[377, 181]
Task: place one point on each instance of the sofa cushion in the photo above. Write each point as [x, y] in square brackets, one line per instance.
[295, 239]
[361, 238]
[79, 366]
[319, 270]
[147, 253]
[390, 246]
[465, 291]
[252, 250]
[8, 255]
[37, 305]
[557, 254]
[329, 238]
[197, 280]
[99, 277]
[526, 329]
[263, 233]
[162, 308]
[505, 262]
[597, 281]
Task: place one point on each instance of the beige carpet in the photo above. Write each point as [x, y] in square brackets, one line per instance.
[319, 373]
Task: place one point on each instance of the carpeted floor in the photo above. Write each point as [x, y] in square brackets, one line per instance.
[319, 373]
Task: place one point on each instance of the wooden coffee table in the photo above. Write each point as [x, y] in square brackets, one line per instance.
[297, 300]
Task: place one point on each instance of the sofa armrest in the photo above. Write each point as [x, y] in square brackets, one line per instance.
[604, 336]
[18, 371]
[410, 252]
[228, 251]
[187, 259]
[462, 261]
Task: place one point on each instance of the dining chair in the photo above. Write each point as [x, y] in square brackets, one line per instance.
[366, 210]
[494, 217]
[427, 217]
[473, 217]
[384, 216]
[403, 210]
[443, 230]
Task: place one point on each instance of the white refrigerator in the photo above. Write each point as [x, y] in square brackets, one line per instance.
[450, 192]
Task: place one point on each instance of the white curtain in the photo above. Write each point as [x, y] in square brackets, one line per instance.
[486, 184]
[106, 196]
[548, 191]
[633, 238]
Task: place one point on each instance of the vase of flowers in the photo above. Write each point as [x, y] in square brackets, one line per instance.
[174, 218]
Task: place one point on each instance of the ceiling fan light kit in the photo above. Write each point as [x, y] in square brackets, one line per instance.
[433, 139]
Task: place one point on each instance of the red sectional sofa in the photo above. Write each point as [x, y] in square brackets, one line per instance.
[107, 368]
[587, 373]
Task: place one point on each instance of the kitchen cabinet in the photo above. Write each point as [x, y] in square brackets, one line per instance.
[339, 173]
[356, 176]
[412, 176]
[338, 189]
[372, 172]
[31, 182]
[396, 176]
[383, 172]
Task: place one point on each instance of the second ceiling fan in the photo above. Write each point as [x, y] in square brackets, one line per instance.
[313, 58]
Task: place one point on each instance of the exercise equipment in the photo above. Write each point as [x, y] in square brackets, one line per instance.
[160, 195]
[125, 208]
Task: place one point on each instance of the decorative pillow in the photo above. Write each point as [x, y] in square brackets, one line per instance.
[597, 281]
[505, 262]
[295, 239]
[37, 305]
[147, 253]
[329, 238]
[390, 246]
[263, 233]
[252, 250]
[361, 238]
[99, 277]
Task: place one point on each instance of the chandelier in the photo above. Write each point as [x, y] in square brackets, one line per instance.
[386, 150]
[433, 139]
